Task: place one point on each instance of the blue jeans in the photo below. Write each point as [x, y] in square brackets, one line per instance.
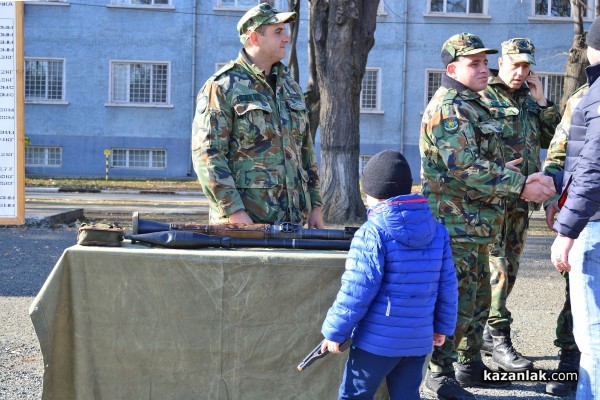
[365, 371]
[584, 281]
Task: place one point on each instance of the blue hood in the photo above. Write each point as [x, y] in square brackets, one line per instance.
[406, 218]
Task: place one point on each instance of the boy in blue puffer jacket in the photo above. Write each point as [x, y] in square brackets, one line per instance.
[399, 290]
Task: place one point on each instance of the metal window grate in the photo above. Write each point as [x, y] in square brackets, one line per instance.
[43, 80]
[139, 158]
[553, 87]
[43, 156]
[140, 83]
[368, 93]
[434, 80]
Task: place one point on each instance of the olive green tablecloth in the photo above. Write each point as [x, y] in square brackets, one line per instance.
[141, 323]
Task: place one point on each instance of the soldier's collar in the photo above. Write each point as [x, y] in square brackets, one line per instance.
[495, 81]
[465, 92]
[243, 57]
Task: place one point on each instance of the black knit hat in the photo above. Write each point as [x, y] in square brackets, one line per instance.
[593, 35]
[387, 174]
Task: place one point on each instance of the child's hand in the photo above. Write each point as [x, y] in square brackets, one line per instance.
[438, 339]
[333, 347]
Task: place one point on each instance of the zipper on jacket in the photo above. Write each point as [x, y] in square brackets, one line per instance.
[389, 305]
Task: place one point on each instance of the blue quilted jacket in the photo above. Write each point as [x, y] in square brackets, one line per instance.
[399, 286]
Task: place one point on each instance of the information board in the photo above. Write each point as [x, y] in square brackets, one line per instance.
[12, 136]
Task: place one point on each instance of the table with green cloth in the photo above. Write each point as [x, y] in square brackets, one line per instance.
[136, 322]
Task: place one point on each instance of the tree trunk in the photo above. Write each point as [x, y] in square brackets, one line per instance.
[577, 60]
[294, 5]
[312, 96]
[344, 33]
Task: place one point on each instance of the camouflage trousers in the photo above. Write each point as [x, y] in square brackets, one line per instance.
[505, 256]
[473, 272]
[564, 322]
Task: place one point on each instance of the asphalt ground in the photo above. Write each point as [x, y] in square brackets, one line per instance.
[29, 253]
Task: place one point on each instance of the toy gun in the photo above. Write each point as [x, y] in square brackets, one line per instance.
[195, 240]
[282, 230]
[316, 353]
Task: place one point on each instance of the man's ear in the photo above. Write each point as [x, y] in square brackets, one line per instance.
[253, 38]
[450, 68]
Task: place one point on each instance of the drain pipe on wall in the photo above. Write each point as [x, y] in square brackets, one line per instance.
[403, 103]
[193, 78]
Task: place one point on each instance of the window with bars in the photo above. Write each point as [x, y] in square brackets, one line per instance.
[559, 8]
[363, 159]
[369, 92]
[141, 2]
[140, 83]
[243, 3]
[139, 158]
[553, 86]
[457, 6]
[44, 80]
[434, 80]
[40, 156]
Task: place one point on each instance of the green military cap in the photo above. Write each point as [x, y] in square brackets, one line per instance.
[519, 50]
[463, 44]
[262, 14]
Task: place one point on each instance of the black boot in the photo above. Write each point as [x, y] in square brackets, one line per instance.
[444, 387]
[569, 362]
[488, 344]
[472, 375]
[504, 355]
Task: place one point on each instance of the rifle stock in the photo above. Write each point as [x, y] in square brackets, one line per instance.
[283, 230]
[195, 240]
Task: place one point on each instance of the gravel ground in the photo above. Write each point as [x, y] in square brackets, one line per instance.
[28, 255]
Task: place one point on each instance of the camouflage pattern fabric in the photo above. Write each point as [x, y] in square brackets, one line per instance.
[463, 44]
[262, 14]
[564, 322]
[526, 127]
[472, 269]
[465, 182]
[505, 256]
[252, 148]
[555, 162]
[462, 164]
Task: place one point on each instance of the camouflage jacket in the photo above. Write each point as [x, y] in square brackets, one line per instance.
[251, 148]
[526, 127]
[462, 164]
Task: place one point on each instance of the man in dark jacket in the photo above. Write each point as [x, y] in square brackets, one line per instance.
[578, 224]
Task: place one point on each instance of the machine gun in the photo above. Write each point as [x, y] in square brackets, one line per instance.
[283, 230]
[194, 240]
[316, 353]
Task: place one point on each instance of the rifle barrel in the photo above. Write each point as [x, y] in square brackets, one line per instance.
[195, 240]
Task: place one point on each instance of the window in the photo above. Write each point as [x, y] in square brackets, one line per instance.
[363, 159]
[434, 81]
[39, 156]
[44, 80]
[369, 92]
[141, 2]
[242, 4]
[553, 86]
[139, 83]
[457, 6]
[139, 158]
[559, 8]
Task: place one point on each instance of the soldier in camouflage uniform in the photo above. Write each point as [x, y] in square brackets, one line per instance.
[554, 166]
[252, 148]
[465, 178]
[515, 98]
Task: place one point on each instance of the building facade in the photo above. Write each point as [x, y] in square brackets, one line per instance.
[110, 85]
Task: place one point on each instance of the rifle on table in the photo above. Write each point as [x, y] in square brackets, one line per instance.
[316, 353]
[280, 230]
[195, 240]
